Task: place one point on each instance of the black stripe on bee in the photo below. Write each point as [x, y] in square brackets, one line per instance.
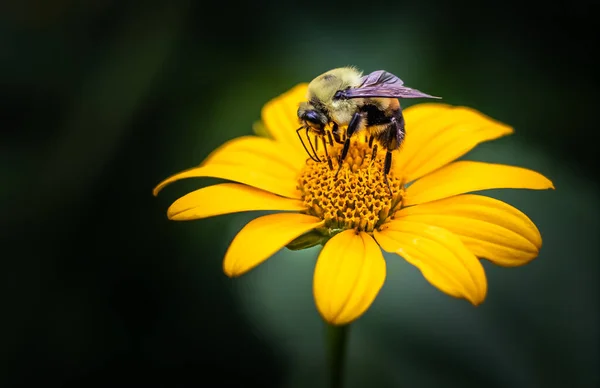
[375, 116]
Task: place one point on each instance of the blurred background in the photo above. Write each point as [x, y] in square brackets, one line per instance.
[101, 100]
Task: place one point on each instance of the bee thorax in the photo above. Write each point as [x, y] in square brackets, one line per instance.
[341, 111]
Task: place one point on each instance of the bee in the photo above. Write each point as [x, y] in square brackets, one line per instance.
[344, 97]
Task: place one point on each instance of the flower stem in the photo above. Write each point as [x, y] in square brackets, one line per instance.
[337, 338]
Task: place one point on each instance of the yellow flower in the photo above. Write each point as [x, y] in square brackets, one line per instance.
[430, 221]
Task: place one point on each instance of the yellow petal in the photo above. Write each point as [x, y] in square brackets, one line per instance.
[259, 129]
[280, 116]
[442, 134]
[263, 237]
[228, 198]
[418, 112]
[490, 228]
[266, 179]
[349, 273]
[414, 117]
[442, 258]
[465, 176]
[256, 151]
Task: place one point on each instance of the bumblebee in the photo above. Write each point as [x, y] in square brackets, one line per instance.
[344, 97]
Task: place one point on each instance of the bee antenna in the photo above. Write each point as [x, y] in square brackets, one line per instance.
[315, 157]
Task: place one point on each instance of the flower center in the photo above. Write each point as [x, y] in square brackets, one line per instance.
[358, 198]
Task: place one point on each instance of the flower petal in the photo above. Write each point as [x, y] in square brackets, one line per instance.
[271, 179]
[349, 273]
[442, 258]
[280, 116]
[263, 237]
[466, 176]
[416, 113]
[257, 151]
[228, 198]
[437, 134]
[414, 116]
[415, 137]
[490, 228]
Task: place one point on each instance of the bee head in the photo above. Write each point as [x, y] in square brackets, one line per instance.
[311, 116]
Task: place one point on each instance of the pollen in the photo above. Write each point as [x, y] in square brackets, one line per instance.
[358, 197]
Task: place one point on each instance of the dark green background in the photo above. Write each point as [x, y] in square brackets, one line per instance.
[101, 100]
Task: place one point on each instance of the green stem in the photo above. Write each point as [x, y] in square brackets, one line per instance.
[337, 338]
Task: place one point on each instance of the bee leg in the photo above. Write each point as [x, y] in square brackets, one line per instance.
[316, 142]
[336, 134]
[386, 170]
[315, 158]
[329, 162]
[371, 141]
[392, 138]
[374, 153]
[354, 124]
[329, 138]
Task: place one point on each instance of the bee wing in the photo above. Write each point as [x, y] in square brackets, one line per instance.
[380, 83]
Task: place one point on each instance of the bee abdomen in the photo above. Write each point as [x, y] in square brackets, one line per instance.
[392, 136]
[375, 115]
